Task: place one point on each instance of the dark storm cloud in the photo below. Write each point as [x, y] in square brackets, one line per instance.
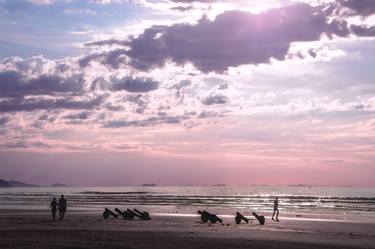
[215, 99]
[364, 31]
[85, 61]
[135, 85]
[31, 104]
[359, 7]
[234, 38]
[113, 58]
[12, 84]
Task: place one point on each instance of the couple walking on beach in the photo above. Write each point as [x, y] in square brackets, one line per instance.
[61, 205]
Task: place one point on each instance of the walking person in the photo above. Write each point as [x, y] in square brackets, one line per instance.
[62, 207]
[276, 209]
[53, 207]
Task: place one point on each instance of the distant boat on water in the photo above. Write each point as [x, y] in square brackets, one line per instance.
[299, 185]
[58, 185]
[149, 185]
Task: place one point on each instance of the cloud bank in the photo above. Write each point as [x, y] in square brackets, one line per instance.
[177, 75]
[235, 38]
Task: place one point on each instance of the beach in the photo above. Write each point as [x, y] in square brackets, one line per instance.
[22, 229]
[310, 217]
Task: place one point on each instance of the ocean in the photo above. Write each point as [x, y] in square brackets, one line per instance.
[341, 203]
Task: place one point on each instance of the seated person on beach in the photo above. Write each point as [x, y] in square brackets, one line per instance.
[62, 207]
[53, 207]
[276, 209]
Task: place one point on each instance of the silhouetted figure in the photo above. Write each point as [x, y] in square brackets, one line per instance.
[276, 209]
[53, 207]
[62, 207]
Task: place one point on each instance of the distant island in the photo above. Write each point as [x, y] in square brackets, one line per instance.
[149, 185]
[4, 184]
[15, 184]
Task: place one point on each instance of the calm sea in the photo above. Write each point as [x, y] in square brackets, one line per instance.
[322, 202]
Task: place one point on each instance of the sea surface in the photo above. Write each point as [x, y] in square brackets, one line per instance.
[341, 203]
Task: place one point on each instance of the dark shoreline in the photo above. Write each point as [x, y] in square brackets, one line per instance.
[80, 239]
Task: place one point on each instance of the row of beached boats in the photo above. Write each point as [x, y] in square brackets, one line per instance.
[205, 216]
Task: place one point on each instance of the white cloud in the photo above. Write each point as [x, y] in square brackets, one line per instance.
[43, 2]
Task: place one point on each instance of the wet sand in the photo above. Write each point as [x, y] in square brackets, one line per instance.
[90, 230]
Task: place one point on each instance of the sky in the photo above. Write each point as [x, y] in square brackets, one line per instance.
[187, 92]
